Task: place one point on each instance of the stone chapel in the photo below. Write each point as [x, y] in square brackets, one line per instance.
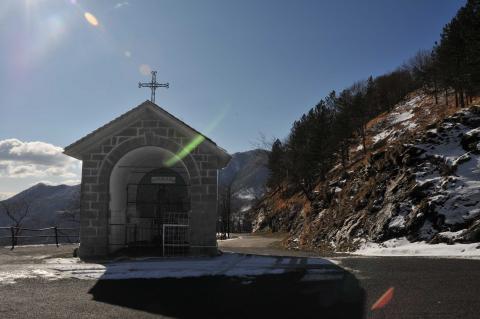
[149, 183]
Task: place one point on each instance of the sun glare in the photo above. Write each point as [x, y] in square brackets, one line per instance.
[91, 19]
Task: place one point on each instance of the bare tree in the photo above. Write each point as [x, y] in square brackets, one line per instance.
[226, 194]
[226, 210]
[263, 142]
[16, 211]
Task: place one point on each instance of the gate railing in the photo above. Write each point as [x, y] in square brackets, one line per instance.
[175, 239]
[171, 238]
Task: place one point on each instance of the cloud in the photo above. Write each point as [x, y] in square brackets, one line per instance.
[121, 4]
[20, 159]
[46, 182]
[31, 152]
[6, 195]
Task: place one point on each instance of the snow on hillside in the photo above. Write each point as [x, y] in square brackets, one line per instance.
[404, 118]
[456, 195]
[246, 193]
[448, 170]
[445, 164]
[247, 174]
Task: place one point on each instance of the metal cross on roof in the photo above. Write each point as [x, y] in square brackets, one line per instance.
[153, 85]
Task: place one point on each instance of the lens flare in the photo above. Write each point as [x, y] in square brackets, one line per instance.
[128, 54]
[91, 19]
[145, 69]
[384, 299]
[185, 151]
[196, 141]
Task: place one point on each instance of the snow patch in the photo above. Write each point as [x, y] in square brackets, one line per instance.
[245, 208]
[402, 247]
[401, 117]
[247, 194]
[381, 136]
[397, 222]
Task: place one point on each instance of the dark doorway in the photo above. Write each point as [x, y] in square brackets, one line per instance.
[161, 191]
[159, 205]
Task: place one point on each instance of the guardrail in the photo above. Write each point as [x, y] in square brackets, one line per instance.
[57, 233]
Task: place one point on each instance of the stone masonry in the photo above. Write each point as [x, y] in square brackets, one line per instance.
[146, 128]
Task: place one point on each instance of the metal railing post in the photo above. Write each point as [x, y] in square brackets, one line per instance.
[13, 237]
[56, 236]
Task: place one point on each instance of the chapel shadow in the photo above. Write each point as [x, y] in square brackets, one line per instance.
[266, 296]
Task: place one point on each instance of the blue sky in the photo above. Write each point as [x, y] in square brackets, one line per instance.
[260, 63]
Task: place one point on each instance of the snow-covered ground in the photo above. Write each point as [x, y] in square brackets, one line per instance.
[402, 247]
[236, 265]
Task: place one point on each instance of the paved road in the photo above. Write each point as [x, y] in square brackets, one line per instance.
[423, 288]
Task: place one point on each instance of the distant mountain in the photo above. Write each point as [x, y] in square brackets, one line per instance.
[247, 173]
[48, 206]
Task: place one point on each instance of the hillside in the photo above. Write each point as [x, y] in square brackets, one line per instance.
[247, 173]
[46, 204]
[419, 179]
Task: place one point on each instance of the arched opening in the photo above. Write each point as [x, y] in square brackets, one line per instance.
[149, 202]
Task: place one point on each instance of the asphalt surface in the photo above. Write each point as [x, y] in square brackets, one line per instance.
[423, 288]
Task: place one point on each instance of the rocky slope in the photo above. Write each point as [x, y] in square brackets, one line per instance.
[420, 179]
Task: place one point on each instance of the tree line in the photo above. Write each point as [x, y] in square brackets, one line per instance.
[324, 135]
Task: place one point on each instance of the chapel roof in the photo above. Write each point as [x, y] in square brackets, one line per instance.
[77, 148]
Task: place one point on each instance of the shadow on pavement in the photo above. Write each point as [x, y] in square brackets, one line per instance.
[293, 294]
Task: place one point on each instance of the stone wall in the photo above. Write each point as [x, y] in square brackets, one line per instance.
[201, 164]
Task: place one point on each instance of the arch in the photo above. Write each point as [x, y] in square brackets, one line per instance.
[130, 146]
[148, 140]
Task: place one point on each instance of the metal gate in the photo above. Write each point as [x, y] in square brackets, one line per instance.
[169, 236]
[175, 239]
